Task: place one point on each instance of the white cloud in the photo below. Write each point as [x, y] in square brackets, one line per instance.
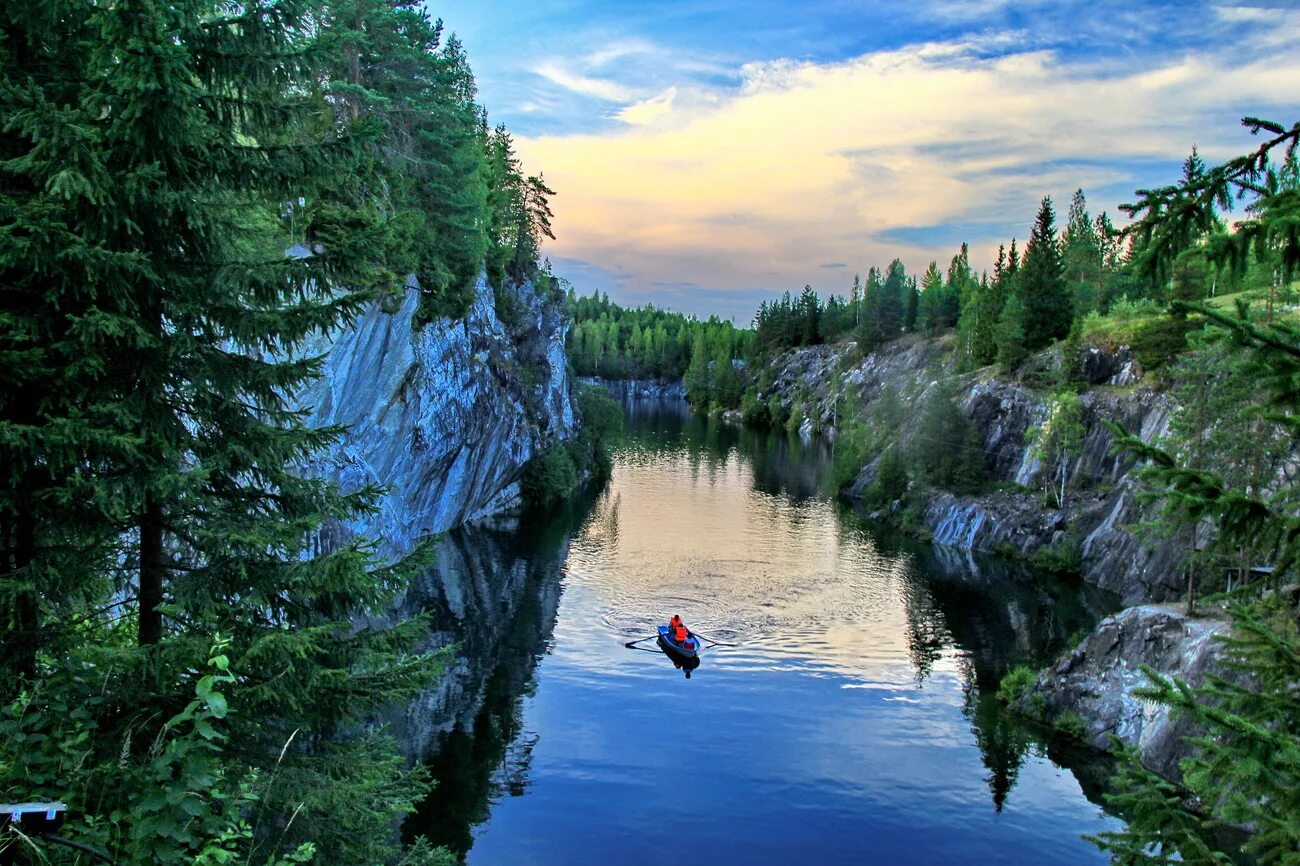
[649, 110]
[610, 91]
[807, 163]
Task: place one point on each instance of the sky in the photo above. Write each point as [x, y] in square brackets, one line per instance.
[708, 155]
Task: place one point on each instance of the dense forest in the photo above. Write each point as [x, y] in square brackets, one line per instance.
[651, 343]
[183, 662]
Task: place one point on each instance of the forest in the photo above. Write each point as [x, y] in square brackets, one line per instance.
[185, 665]
[647, 342]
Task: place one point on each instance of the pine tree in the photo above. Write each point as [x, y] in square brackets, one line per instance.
[1009, 335]
[930, 316]
[1246, 768]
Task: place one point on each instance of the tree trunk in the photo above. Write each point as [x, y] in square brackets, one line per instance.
[21, 640]
[152, 572]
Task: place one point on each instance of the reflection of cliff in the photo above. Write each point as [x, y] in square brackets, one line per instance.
[494, 592]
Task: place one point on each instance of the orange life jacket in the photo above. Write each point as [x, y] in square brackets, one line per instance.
[675, 622]
[680, 635]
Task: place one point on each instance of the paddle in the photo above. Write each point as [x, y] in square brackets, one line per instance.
[712, 641]
[632, 643]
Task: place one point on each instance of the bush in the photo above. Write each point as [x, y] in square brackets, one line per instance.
[891, 479]
[1071, 724]
[550, 478]
[1063, 558]
[853, 450]
[1019, 682]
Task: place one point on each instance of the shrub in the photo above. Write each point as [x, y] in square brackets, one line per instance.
[550, 478]
[853, 450]
[1062, 558]
[891, 479]
[1018, 683]
[1071, 724]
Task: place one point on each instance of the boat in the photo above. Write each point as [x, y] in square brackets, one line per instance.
[690, 649]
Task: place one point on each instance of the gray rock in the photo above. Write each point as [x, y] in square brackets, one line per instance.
[444, 416]
[1098, 678]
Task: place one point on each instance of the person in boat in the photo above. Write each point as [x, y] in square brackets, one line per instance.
[674, 623]
[681, 635]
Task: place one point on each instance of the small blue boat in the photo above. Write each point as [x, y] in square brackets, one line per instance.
[690, 649]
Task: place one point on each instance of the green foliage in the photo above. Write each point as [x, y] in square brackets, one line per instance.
[1018, 683]
[1009, 335]
[558, 473]
[1064, 557]
[158, 161]
[1048, 305]
[1071, 724]
[891, 481]
[550, 478]
[646, 342]
[947, 450]
[1057, 442]
[1245, 770]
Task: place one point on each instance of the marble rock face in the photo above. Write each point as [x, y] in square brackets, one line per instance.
[443, 415]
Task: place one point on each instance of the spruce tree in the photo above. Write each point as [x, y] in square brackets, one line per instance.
[1081, 256]
[1048, 307]
[158, 160]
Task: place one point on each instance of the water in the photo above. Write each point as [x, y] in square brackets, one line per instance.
[852, 722]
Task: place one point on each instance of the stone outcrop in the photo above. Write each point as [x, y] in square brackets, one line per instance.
[443, 414]
[1098, 678]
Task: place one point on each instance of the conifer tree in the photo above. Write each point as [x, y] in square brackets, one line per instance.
[930, 316]
[147, 169]
[1048, 307]
[1009, 335]
[1081, 256]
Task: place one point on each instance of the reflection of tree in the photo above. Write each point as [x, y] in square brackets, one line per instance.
[927, 633]
[1002, 740]
[998, 614]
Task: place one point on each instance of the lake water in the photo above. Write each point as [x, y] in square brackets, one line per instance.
[852, 722]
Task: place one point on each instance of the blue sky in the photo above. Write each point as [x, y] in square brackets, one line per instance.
[710, 154]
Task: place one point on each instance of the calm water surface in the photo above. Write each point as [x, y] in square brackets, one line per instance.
[851, 723]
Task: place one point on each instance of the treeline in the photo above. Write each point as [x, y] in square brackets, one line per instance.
[645, 342]
[185, 664]
[1035, 295]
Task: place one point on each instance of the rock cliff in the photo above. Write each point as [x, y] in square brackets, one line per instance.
[1102, 509]
[443, 415]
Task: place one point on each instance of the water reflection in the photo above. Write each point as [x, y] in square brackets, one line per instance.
[858, 693]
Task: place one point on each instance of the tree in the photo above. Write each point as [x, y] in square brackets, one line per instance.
[1048, 307]
[1009, 335]
[930, 315]
[1058, 441]
[1081, 255]
[158, 160]
[947, 450]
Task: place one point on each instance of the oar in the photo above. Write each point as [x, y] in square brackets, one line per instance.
[632, 643]
[712, 641]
